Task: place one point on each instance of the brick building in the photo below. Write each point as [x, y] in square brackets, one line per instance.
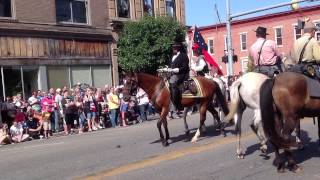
[56, 43]
[281, 28]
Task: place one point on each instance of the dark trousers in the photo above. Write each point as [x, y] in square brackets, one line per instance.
[175, 95]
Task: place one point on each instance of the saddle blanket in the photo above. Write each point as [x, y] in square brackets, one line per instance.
[187, 94]
[313, 87]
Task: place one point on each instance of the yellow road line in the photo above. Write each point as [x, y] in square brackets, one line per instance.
[164, 157]
[171, 156]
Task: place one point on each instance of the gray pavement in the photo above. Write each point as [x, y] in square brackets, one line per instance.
[135, 153]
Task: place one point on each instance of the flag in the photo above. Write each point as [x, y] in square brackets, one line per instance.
[199, 42]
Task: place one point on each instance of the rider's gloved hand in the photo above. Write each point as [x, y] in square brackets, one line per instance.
[175, 70]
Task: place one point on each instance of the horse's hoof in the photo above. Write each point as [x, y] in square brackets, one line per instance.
[240, 156]
[296, 169]
[281, 170]
[165, 144]
[263, 151]
[194, 140]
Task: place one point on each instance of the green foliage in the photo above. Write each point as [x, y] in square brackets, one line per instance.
[146, 45]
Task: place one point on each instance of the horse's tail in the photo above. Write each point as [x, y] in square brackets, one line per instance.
[221, 99]
[235, 99]
[268, 115]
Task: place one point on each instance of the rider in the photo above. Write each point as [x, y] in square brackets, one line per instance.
[179, 65]
[199, 67]
[263, 54]
[312, 49]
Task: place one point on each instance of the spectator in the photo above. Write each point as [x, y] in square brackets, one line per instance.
[34, 102]
[4, 134]
[70, 110]
[124, 104]
[33, 126]
[143, 102]
[46, 121]
[17, 134]
[113, 103]
[58, 110]
[48, 105]
[90, 109]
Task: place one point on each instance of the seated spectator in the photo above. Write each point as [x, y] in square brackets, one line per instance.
[17, 134]
[33, 126]
[4, 134]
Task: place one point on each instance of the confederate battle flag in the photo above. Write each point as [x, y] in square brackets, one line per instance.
[198, 41]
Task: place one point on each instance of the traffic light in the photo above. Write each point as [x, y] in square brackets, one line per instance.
[225, 59]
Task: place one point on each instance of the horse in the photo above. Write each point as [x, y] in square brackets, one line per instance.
[244, 94]
[159, 94]
[218, 117]
[283, 101]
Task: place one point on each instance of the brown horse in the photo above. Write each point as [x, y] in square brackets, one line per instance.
[283, 101]
[160, 96]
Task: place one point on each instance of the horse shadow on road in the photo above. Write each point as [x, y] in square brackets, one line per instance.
[211, 131]
[310, 150]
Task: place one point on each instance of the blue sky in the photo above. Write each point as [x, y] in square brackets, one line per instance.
[202, 12]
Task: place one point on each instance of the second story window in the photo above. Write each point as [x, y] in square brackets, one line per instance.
[170, 8]
[123, 8]
[73, 11]
[5, 8]
[318, 32]
[297, 33]
[148, 7]
[278, 34]
[211, 47]
[243, 41]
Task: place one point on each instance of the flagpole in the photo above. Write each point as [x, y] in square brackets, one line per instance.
[229, 45]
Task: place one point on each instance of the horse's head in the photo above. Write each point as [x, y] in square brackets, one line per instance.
[130, 84]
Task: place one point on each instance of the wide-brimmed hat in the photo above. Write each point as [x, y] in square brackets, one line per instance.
[310, 25]
[261, 31]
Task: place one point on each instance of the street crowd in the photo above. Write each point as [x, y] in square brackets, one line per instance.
[67, 111]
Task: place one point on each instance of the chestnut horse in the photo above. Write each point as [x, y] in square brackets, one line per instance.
[160, 96]
[283, 101]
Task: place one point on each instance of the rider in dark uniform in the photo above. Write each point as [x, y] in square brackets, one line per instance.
[179, 65]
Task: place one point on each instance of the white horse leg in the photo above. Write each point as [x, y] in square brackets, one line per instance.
[196, 136]
[256, 127]
[237, 120]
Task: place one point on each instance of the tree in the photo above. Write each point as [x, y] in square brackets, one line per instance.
[146, 45]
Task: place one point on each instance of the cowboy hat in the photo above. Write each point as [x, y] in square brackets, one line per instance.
[261, 30]
[310, 25]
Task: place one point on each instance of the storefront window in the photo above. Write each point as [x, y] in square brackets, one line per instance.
[80, 74]
[101, 76]
[58, 76]
[12, 80]
[30, 80]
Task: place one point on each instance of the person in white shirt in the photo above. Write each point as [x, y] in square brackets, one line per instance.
[143, 102]
[16, 131]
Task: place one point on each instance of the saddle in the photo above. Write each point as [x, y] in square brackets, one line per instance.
[189, 88]
[311, 73]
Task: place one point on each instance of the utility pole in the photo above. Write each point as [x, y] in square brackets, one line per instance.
[230, 17]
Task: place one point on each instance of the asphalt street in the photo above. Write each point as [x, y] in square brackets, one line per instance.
[135, 153]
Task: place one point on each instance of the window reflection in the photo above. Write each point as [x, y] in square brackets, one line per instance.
[148, 7]
[123, 7]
